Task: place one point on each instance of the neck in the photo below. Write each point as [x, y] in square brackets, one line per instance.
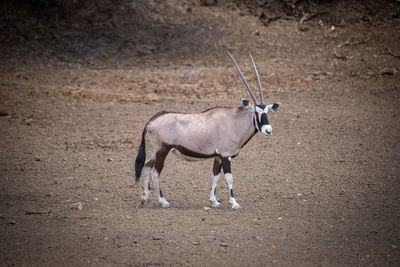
[247, 125]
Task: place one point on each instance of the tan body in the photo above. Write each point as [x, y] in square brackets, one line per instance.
[218, 131]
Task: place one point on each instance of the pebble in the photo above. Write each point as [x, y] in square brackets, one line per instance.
[77, 206]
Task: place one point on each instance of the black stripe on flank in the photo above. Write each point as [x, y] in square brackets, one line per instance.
[193, 154]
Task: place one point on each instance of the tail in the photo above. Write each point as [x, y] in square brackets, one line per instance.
[141, 157]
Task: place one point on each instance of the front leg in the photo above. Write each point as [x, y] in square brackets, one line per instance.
[226, 165]
[216, 172]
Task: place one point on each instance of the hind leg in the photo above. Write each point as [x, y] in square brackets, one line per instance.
[146, 171]
[161, 155]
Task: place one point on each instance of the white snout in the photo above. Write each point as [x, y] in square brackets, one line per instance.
[266, 129]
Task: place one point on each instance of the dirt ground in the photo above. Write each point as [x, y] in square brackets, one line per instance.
[322, 190]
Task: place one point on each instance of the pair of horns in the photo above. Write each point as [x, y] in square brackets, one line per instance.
[245, 82]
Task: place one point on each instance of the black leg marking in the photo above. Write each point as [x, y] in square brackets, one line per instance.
[160, 158]
[150, 163]
[217, 166]
[161, 195]
[231, 193]
[148, 186]
[226, 165]
[215, 191]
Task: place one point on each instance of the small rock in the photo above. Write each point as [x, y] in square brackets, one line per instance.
[157, 238]
[303, 28]
[387, 71]
[77, 206]
[224, 245]
[208, 2]
[34, 212]
[28, 122]
[109, 160]
[196, 243]
[12, 222]
[37, 158]
[3, 113]
[206, 208]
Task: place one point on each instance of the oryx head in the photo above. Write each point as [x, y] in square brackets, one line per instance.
[260, 111]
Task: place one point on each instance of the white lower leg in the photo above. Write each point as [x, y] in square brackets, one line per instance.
[146, 192]
[232, 201]
[161, 199]
[214, 201]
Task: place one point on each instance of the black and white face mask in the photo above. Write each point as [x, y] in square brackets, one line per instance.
[261, 120]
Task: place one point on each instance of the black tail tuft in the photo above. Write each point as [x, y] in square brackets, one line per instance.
[141, 157]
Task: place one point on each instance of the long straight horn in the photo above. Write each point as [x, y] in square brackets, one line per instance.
[258, 80]
[244, 80]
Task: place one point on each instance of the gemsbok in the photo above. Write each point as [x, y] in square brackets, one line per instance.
[218, 132]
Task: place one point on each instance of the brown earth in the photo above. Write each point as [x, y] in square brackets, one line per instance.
[75, 96]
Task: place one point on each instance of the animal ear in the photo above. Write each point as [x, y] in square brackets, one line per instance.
[275, 107]
[244, 102]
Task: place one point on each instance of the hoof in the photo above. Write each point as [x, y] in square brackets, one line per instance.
[166, 205]
[236, 207]
[144, 198]
[217, 205]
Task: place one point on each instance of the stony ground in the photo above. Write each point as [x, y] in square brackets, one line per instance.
[322, 190]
